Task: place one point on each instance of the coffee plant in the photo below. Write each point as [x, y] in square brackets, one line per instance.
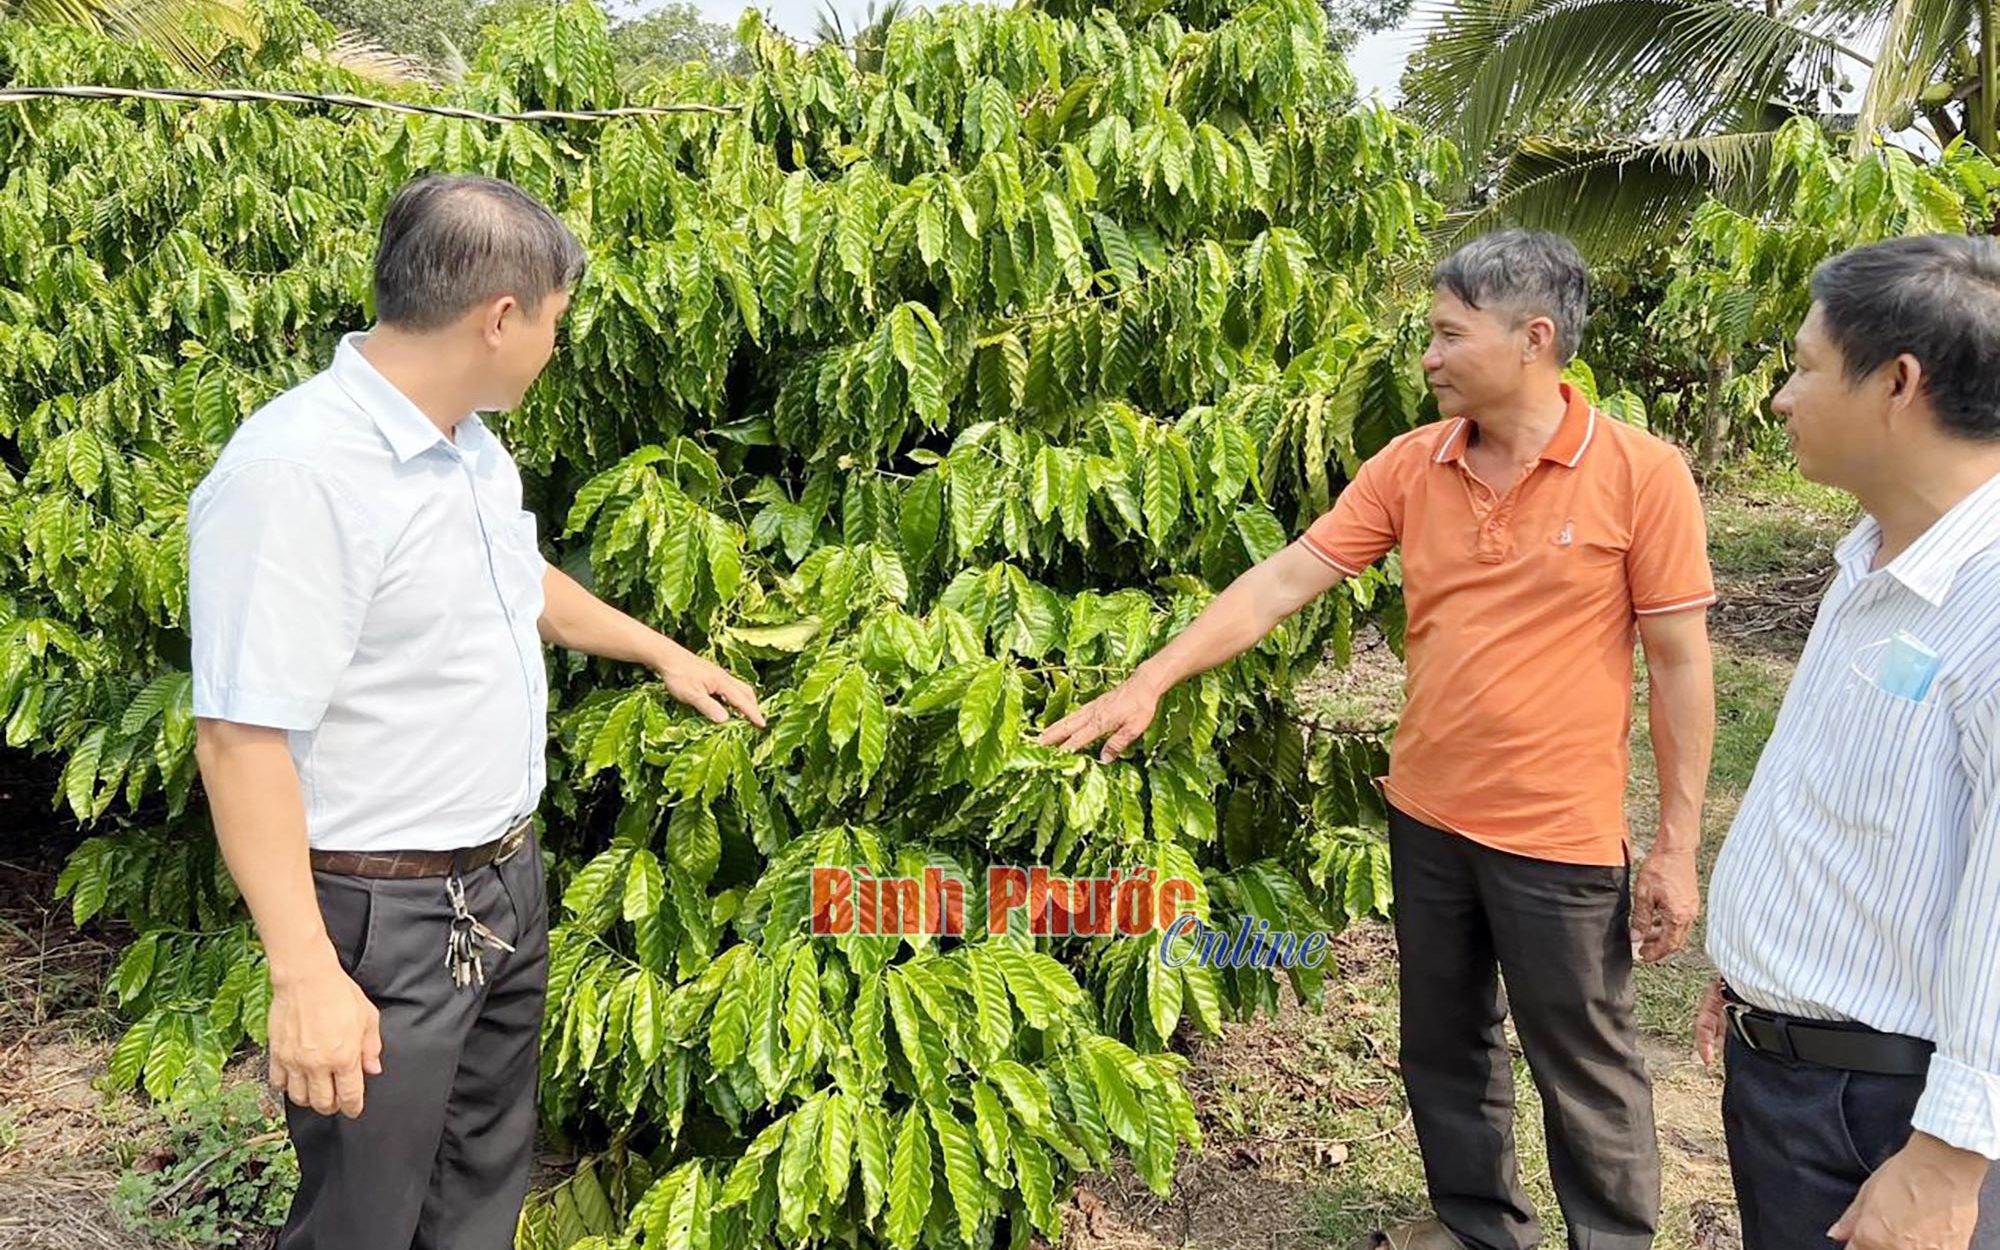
[1710, 343]
[930, 399]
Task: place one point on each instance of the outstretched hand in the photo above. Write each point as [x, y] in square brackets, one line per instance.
[707, 687]
[1122, 712]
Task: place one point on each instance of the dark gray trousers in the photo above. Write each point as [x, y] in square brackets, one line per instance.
[1467, 916]
[1803, 1139]
[438, 1158]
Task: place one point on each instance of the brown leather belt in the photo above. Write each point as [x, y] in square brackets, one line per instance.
[409, 865]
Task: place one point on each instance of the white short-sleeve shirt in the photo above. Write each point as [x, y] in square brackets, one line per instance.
[374, 587]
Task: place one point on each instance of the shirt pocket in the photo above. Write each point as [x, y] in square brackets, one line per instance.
[1881, 758]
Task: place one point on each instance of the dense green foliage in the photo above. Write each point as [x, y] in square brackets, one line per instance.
[1705, 328]
[670, 35]
[1697, 150]
[1689, 98]
[1348, 20]
[930, 399]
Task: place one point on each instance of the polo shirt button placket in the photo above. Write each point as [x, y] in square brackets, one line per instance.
[1493, 531]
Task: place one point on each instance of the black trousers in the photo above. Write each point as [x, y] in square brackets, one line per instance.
[438, 1158]
[1803, 1139]
[1468, 916]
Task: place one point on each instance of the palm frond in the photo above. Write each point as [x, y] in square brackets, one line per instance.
[1614, 201]
[452, 65]
[192, 32]
[359, 55]
[827, 27]
[1495, 63]
[1921, 36]
[1867, 16]
[188, 32]
[871, 31]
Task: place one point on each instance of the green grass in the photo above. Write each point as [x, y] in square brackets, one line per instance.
[1762, 477]
[1748, 692]
[1765, 520]
[1749, 686]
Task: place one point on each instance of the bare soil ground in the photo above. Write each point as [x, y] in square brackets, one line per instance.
[59, 1137]
[1773, 536]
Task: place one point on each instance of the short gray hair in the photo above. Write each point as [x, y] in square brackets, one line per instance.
[452, 242]
[1936, 297]
[1529, 273]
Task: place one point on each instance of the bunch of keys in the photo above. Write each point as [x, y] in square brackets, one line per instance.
[465, 948]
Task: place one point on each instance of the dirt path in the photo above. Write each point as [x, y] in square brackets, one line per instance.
[59, 1137]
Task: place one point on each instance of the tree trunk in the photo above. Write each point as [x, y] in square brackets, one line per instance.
[1941, 122]
[1715, 417]
[1980, 111]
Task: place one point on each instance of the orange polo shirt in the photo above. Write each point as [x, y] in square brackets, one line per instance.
[1523, 614]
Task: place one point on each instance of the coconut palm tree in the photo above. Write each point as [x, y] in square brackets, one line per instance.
[185, 31]
[1707, 84]
[871, 34]
[191, 33]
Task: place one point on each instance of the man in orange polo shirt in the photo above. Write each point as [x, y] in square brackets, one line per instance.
[1540, 541]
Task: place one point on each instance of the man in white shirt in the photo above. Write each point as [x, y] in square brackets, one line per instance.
[1855, 909]
[368, 604]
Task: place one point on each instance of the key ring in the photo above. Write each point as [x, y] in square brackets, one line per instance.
[467, 939]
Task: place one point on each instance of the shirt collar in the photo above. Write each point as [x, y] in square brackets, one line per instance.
[410, 433]
[1573, 437]
[1931, 564]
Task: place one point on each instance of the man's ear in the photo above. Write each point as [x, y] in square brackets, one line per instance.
[1541, 335]
[1905, 376]
[496, 317]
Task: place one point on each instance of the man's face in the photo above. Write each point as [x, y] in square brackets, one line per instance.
[1476, 355]
[521, 343]
[1839, 429]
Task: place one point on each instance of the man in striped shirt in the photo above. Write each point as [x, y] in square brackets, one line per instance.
[1855, 910]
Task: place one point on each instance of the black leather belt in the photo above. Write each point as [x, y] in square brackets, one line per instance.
[1829, 1043]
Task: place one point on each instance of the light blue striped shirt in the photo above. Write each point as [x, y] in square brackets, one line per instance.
[1861, 880]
